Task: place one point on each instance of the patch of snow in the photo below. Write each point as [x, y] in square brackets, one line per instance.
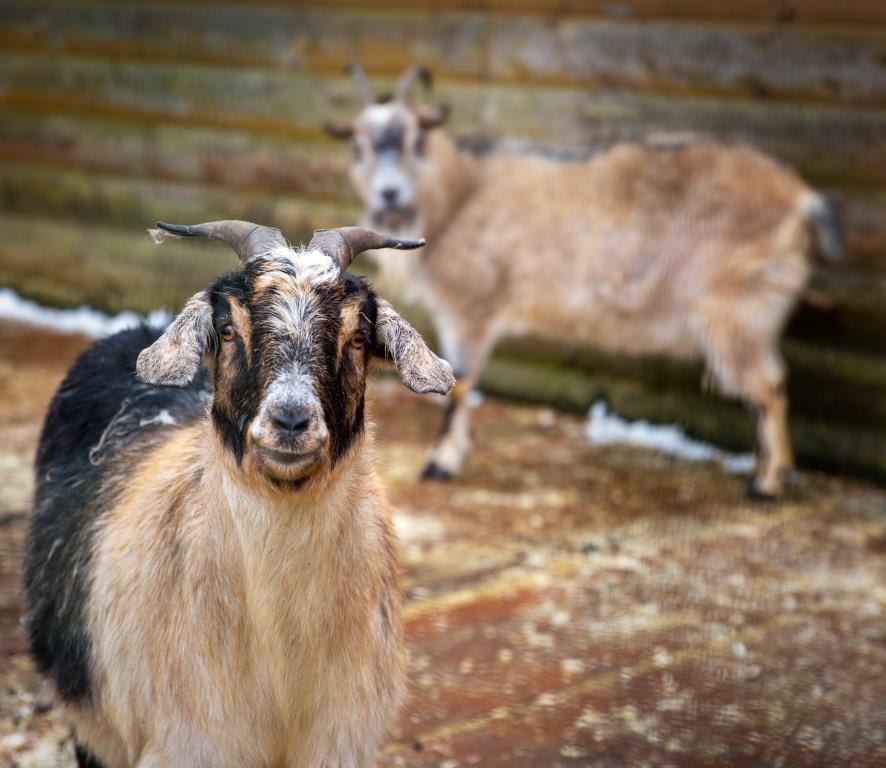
[474, 398]
[418, 527]
[85, 320]
[605, 428]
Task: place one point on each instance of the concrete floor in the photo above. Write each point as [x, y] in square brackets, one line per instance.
[567, 605]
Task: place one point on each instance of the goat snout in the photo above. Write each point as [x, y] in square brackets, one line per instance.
[291, 439]
[290, 419]
[289, 434]
[391, 196]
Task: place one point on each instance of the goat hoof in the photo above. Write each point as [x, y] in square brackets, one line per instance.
[755, 493]
[433, 471]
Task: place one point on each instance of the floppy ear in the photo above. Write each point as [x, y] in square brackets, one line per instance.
[419, 368]
[173, 360]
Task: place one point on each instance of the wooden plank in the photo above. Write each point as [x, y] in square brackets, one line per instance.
[819, 375]
[828, 444]
[817, 12]
[825, 143]
[136, 203]
[863, 211]
[176, 153]
[760, 61]
[849, 306]
[106, 268]
[316, 171]
[815, 65]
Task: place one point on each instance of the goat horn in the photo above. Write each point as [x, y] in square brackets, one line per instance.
[346, 243]
[364, 87]
[246, 238]
[403, 90]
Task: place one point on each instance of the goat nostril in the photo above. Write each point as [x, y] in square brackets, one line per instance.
[290, 419]
[390, 195]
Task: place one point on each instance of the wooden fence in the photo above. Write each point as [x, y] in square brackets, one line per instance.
[113, 114]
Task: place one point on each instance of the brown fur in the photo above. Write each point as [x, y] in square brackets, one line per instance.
[230, 625]
[690, 250]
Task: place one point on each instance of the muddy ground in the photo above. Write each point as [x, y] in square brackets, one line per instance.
[567, 605]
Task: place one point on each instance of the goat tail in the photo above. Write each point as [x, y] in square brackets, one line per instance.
[825, 221]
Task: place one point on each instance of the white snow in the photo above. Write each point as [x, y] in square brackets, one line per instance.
[605, 428]
[475, 398]
[85, 320]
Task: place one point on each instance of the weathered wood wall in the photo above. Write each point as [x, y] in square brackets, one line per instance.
[113, 114]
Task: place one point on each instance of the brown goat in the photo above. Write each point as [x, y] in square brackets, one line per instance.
[692, 249]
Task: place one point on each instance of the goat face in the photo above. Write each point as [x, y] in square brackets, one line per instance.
[388, 139]
[287, 340]
[387, 152]
[289, 367]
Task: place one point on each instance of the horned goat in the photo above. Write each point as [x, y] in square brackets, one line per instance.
[693, 249]
[211, 570]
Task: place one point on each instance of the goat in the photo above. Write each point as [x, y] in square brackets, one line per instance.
[689, 249]
[211, 571]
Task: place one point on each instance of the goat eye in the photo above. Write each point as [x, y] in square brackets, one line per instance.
[228, 332]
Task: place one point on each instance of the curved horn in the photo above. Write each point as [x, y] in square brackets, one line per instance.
[406, 83]
[346, 243]
[246, 238]
[364, 87]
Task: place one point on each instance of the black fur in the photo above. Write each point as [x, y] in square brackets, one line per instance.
[85, 759]
[99, 409]
[433, 471]
[387, 138]
[341, 394]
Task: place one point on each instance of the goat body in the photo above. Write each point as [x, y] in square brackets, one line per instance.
[687, 249]
[211, 573]
[210, 622]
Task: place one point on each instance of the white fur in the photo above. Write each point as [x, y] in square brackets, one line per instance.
[314, 266]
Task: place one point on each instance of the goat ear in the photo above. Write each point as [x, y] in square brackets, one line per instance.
[419, 368]
[428, 120]
[338, 131]
[174, 359]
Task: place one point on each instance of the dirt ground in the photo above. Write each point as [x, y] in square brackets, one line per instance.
[568, 605]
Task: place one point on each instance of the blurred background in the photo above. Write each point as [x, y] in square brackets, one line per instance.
[118, 114]
[569, 605]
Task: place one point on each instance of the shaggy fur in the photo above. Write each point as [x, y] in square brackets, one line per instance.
[195, 600]
[690, 250]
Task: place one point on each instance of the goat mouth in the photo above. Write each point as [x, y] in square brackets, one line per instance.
[289, 465]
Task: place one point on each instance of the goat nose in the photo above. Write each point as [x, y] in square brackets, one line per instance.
[390, 195]
[289, 418]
